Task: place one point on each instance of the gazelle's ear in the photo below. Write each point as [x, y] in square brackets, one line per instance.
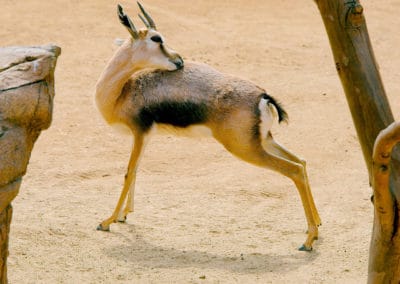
[126, 21]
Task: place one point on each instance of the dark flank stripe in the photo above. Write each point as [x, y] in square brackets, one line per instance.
[178, 114]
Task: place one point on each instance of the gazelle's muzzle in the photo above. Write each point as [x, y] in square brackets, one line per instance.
[173, 57]
[178, 61]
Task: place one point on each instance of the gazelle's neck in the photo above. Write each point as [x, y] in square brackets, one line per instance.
[116, 73]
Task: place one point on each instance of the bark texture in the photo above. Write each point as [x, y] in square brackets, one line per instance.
[356, 66]
[384, 265]
[26, 103]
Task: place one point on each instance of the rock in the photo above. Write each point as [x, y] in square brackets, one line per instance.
[26, 105]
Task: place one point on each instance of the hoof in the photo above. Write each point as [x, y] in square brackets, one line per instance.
[104, 229]
[305, 248]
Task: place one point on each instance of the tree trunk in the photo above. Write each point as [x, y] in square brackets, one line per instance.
[26, 103]
[355, 63]
[5, 221]
[385, 243]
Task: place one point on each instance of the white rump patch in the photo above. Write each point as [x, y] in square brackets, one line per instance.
[267, 115]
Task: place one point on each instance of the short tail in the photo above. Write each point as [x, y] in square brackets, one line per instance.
[282, 114]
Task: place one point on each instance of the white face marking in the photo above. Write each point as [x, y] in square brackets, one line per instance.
[151, 54]
[152, 33]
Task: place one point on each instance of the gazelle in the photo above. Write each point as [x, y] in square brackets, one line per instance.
[191, 100]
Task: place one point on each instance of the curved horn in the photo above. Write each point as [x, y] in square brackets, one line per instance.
[146, 23]
[150, 23]
[127, 22]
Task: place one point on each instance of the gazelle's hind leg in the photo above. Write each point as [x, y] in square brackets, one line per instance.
[129, 185]
[258, 155]
[271, 146]
[129, 204]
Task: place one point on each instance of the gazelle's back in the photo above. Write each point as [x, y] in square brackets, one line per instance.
[196, 94]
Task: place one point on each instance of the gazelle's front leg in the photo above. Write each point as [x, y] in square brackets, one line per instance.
[129, 184]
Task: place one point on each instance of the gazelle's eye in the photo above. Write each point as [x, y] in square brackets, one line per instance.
[156, 38]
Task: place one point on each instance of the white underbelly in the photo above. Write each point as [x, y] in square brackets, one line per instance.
[160, 128]
[189, 131]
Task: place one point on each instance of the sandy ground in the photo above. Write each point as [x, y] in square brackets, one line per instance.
[202, 216]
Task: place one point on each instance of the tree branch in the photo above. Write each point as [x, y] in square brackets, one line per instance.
[383, 199]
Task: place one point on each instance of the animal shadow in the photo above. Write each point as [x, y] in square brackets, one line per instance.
[140, 252]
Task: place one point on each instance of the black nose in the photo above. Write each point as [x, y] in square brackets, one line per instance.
[179, 63]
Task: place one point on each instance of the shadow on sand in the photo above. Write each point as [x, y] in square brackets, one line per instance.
[140, 252]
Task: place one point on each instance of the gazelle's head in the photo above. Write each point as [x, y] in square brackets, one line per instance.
[147, 45]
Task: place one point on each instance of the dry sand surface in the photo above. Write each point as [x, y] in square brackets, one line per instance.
[202, 216]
